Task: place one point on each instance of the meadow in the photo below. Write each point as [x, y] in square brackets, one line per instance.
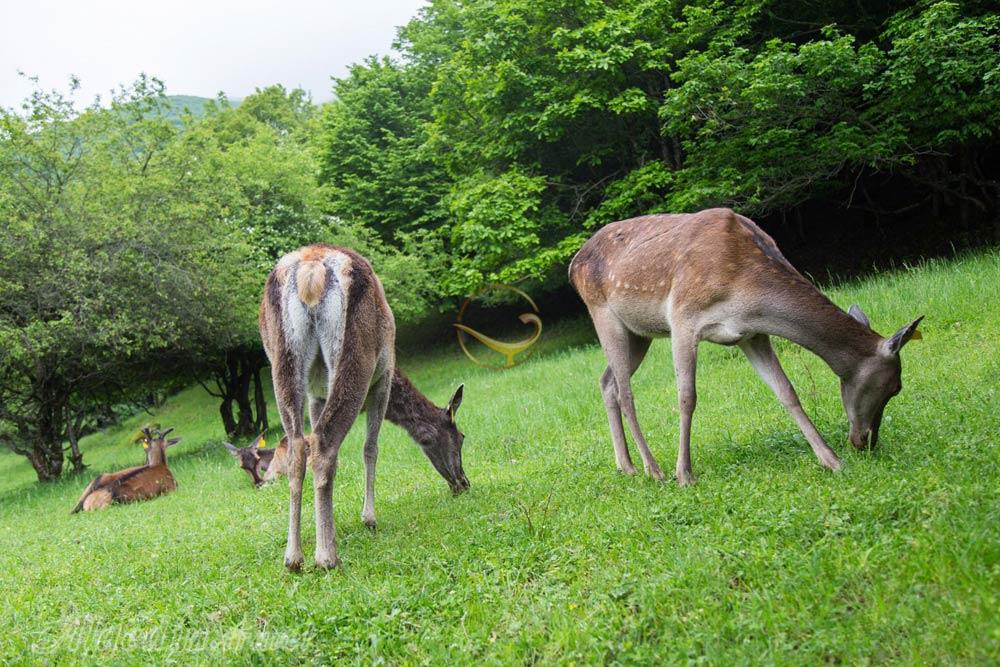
[554, 557]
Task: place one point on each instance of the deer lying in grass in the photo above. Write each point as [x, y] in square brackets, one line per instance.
[717, 276]
[279, 465]
[330, 336]
[254, 459]
[133, 484]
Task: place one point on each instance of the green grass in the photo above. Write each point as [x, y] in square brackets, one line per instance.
[554, 557]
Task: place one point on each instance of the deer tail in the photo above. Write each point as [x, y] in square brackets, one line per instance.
[310, 278]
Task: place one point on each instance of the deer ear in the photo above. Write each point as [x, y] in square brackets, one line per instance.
[455, 401]
[906, 333]
[172, 442]
[858, 314]
[232, 449]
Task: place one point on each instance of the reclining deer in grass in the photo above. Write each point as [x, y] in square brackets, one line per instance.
[254, 459]
[717, 276]
[330, 337]
[133, 484]
[265, 465]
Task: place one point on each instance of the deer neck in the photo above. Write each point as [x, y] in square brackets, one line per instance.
[157, 455]
[411, 410]
[803, 315]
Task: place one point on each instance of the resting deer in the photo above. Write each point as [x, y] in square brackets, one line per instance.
[717, 276]
[133, 484]
[254, 459]
[330, 337]
[279, 463]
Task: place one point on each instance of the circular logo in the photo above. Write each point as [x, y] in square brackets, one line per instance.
[508, 350]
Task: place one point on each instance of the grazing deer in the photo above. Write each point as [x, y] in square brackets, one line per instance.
[330, 337]
[717, 276]
[254, 458]
[133, 484]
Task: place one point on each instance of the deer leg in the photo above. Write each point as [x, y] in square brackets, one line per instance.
[344, 400]
[378, 399]
[638, 346]
[609, 389]
[315, 408]
[288, 391]
[624, 351]
[685, 353]
[762, 357]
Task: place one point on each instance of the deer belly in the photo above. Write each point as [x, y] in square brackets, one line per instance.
[646, 319]
[722, 324]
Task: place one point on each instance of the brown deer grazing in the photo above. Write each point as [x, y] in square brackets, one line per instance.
[330, 337]
[717, 276]
[133, 484]
[254, 459]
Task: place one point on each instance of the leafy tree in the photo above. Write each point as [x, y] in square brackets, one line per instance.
[104, 250]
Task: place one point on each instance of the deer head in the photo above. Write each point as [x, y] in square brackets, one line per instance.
[249, 457]
[443, 445]
[155, 443]
[876, 380]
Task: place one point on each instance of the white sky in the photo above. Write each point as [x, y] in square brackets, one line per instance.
[197, 47]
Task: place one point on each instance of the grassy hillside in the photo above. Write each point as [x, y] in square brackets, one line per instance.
[554, 557]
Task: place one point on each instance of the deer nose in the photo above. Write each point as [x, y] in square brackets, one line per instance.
[862, 440]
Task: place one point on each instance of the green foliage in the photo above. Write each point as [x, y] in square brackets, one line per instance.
[111, 233]
[553, 557]
[509, 128]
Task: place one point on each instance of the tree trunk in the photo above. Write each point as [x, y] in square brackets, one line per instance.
[46, 453]
[260, 403]
[234, 379]
[74, 424]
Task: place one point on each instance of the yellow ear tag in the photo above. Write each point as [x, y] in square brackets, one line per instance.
[145, 444]
[262, 443]
[917, 335]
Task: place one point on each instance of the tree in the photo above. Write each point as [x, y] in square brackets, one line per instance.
[104, 254]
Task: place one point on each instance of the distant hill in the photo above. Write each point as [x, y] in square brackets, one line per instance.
[192, 103]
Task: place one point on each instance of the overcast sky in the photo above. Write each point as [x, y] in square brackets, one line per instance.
[197, 47]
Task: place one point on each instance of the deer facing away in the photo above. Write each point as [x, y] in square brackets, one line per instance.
[717, 276]
[133, 484]
[329, 335]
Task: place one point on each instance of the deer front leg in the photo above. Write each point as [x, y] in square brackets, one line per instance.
[378, 399]
[762, 357]
[685, 353]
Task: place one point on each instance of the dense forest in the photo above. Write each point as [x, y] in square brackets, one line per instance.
[496, 138]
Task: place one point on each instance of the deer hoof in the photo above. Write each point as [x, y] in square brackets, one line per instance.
[327, 563]
[627, 470]
[293, 560]
[833, 463]
[657, 474]
[369, 523]
[685, 478]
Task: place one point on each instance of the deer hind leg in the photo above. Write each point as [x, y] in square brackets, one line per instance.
[624, 351]
[378, 399]
[345, 397]
[638, 346]
[763, 359]
[289, 389]
[684, 347]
